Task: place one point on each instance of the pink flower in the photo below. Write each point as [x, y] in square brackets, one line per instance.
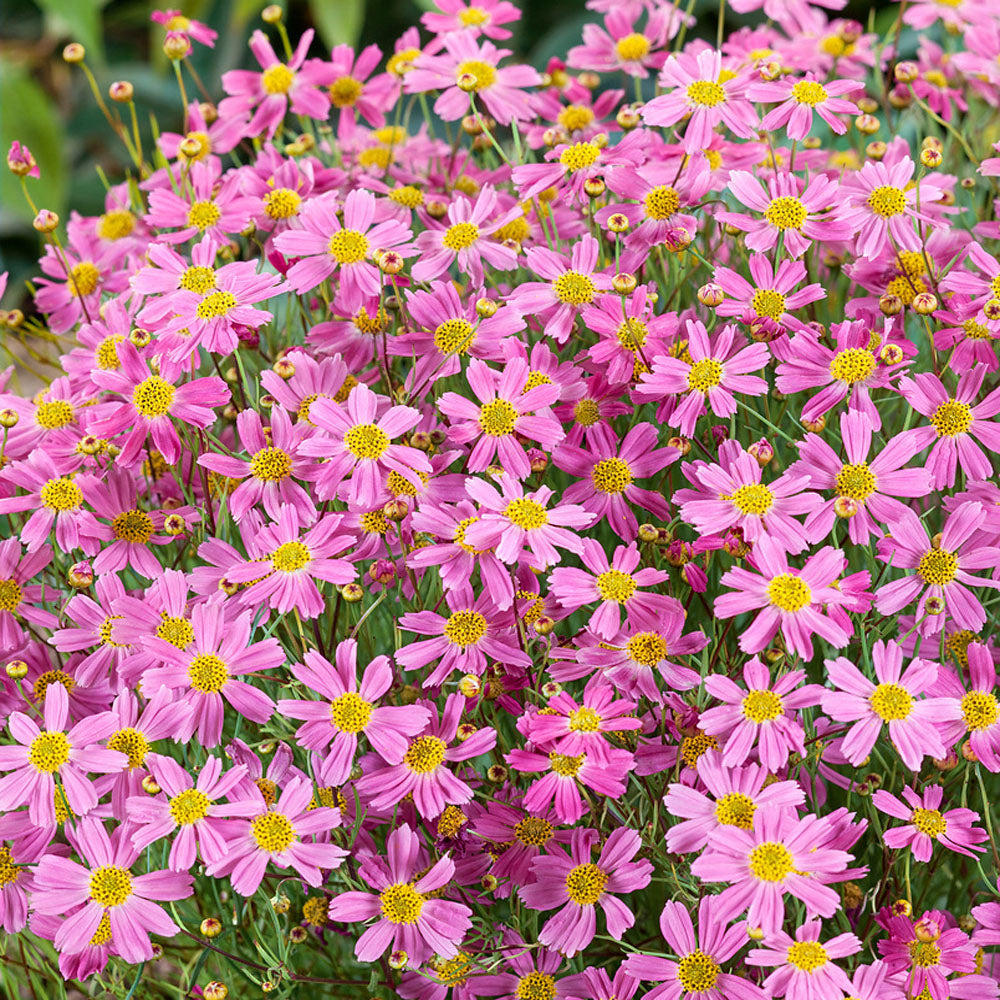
[620, 47]
[804, 968]
[925, 823]
[353, 93]
[20, 600]
[802, 98]
[771, 298]
[579, 885]
[483, 17]
[411, 917]
[893, 701]
[20, 160]
[348, 710]
[174, 20]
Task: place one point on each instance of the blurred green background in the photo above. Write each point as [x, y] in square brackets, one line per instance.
[48, 105]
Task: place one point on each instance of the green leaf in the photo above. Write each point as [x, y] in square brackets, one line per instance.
[338, 21]
[76, 21]
[31, 118]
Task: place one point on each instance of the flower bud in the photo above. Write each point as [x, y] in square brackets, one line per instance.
[121, 91]
[589, 80]
[80, 575]
[485, 308]
[173, 524]
[711, 295]
[816, 426]
[398, 959]
[497, 773]
[891, 354]
[283, 367]
[624, 283]
[934, 605]
[967, 183]
[17, 670]
[846, 507]
[931, 158]
[762, 451]
[927, 930]
[176, 46]
[628, 119]
[890, 305]
[544, 625]
[470, 686]
[211, 927]
[281, 904]
[8, 418]
[297, 935]
[648, 533]
[74, 53]
[925, 303]
[191, 148]
[853, 895]
[902, 908]
[467, 82]
[682, 444]
[991, 309]
[352, 592]
[594, 187]
[149, 785]
[900, 97]
[876, 150]
[947, 763]
[272, 14]
[45, 221]
[771, 70]
[618, 222]
[466, 730]
[396, 510]
[968, 753]
[551, 688]
[867, 124]
[755, 933]
[20, 161]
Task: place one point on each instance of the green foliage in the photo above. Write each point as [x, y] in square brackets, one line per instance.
[78, 21]
[338, 21]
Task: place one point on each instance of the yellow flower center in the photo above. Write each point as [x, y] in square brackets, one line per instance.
[611, 475]
[768, 302]
[891, 702]
[790, 593]
[632, 334]
[48, 752]
[930, 822]
[115, 225]
[348, 246]
[575, 117]
[282, 203]
[153, 397]
[632, 47]
[853, 365]
[454, 336]
[407, 195]
[189, 806]
[704, 375]
[11, 595]
[937, 567]
[110, 885]
[735, 809]
[277, 79]
[133, 526]
[426, 754]
[579, 156]
[566, 767]
[315, 911]
[762, 706]
[271, 465]
[786, 213]
[587, 412]
[460, 236]
[215, 305]
[706, 93]
[585, 884]
[979, 710]
[534, 831]
[177, 631]
[924, 954]
[465, 628]
[497, 418]
[345, 91]
[132, 743]
[54, 414]
[203, 214]
[290, 557]
[855, 481]
[697, 972]
[350, 713]
[536, 986]
[584, 720]
[662, 202]
[197, 279]
[770, 862]
[807, 956]
[44, 681]
[887, 201]
[366, 441]
[61, 494]
[83, 279]
[485, 74]
[952, 418]
[526, 514]
[809, 92]
[106, 353]
[9, 872]
[614, 585]
[647, 648]
[401, 903]
[976, 331]
[573, 288]
[472, 16]
[273, 832]
[752, 499]
[208, 673]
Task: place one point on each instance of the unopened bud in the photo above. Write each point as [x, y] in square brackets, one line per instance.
[550, 689]
[396, 510]
[272, 14]
[467, 82]
[816, 426]
[925, 303]
[876, 150]
[485, 308]
[682, 444]
[121, 91]
[648, 533]
[140, 338]
[628, 119]
[17, 670]
[352, 592]
[890, 305]
[711, 295]
[74, 53]
[846, 507]
[465, 731]
[398, 959]
[867, 124]
[45, 221]
[594, 187]
[80, 575]
[211, 927]
[891, 354]
[284, 368]
[624, 283]
[176, 46]
[8, 418]
[618, 222]
[544, 625]
[149, 785]
[931, 158]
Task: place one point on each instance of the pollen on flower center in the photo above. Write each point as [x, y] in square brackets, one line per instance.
[132, 743]
[83, 279]
[706, 93]
[533, 831]
[852, 365]
[770, 862]
[460, 236]
[11, 595]
[526, 514]
[9, 872]
[277, 79]
[789, 593]
[855, 481]
[752, 500]
[203, 214]
[366, 441]
[61, 494]
[53, 414]
[887, 201]
[345, 91]
[573, 288]
[197, 279]
[454, 336]
[662, 202]
[647, 648]
[497, 418]
[587, 412]
[273, 832]
[611, 475]
[465, 628]
[952, 418]
[979, 710]
[350, 712]
[133, 526]
[282, 203]
[930, 822]
[614, 585]
[937, 567]
[632, 47]
[216, 305]
[106, 353]
[401, 903]
[579, 156]
[426, 754]
[807, 955]
[697, 972]
[762, 706]
[632, 334]
[566, 767]
[584, 720]
[271, 465]
[585, 884]
[290, 557]
[786, 213]
[48, 752]
[177, 631]
[768, 302]
[809, 92]
[116, 225]
[110, 885]
[208, 673]
[891, 702]
[924, 954]
[44, 681]
[189, 806]
[485, 75]
[348, 246]
[575, 117]
[705, 374]
[735, 809]
[153, 397]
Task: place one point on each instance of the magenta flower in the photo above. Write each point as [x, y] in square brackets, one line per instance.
[174, 20]
[484, 17]
[804, 969]
[276, 835]
[104, 900]
[21, 600]
[893, 701]
[772, 296]
[618, 46]
[327, 246]
[350, 709]
[700, 953]
[579, 886]
[354, 92]
[798, 100]
[925, 823]
[980, 708]
[926, 965]
[629, 333]
[981, 282]
[412, 918]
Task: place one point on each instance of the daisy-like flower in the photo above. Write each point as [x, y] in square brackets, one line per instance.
[105, 901]
[504, 410]
[279, 86]
[618, 46]
[615, 583]
[513, 522]
[276, 835]
[271, 471]
[732, 797]
[412, 918]
[793, 210]
[925, 823]
[213, 139]
[872, 486]
[423, 771]
[482, 18]
[925, 965]
[526, 836]
[958, 425]
[350, 709]
[630, 335]
[796, 603]
[357, 444]
[326, 245]
[189, 811]
[799, 99]
[892, 700]
[980, 708]
[579, 885]
[470, 69]
[803, 968]
[885, 206]
[20, 599]
[760, 717]
[714, 370]
[703, 94]
[944, 567]
[700, 955]
[174, 20]
[355, 92]
[525, 967]
[981, 282]
[206, 672]
[772, 296]
[38, 755]
[151, 404]
[607, 472]
[466, 237]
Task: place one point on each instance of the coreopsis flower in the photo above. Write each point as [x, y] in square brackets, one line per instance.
[980, 708]
[925, 823]
[152, 402]
[958, 424]
[629, 333]
[20, 599]
[579, 885]
[481, 18]
[700, 953]
[799, 99]
[704, 95]
[102, 899]
[927, 965]
[524, 967]
[423, 772]
[981, 283]
[732, 797]
[173, 20]
[892, 700]
[355, 92]
[350, 709]
[619, 46]
[803, 967]
[276, 836]
[771, 297]
[528, 835]
[327, 245]
[412, 918]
